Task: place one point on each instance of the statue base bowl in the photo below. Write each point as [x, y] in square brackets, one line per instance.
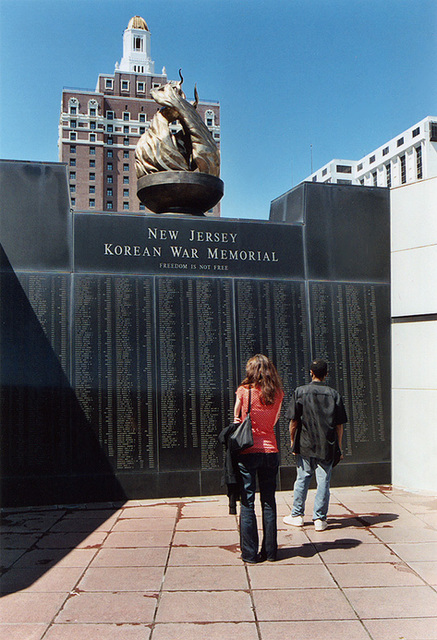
[180, 192]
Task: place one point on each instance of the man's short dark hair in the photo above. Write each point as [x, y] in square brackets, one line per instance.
[319, 368]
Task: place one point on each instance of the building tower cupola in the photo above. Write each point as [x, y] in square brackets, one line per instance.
[136, 48]
[137, 23]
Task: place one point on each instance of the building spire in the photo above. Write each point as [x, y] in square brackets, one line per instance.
[136, 48]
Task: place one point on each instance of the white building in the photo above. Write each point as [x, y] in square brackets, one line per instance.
[407, 158]
[407, 164]
[413, 210]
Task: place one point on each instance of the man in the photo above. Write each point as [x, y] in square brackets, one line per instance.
[317, 414]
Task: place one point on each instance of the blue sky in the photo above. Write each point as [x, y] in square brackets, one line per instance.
[342, 76]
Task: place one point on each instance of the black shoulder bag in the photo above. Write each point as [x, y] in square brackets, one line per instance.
[242, 437]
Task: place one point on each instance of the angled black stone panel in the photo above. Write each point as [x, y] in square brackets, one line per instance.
[350, 328]
[290, 206]
[346, 230]
[35, 218]
[347, 233]
[48, 449]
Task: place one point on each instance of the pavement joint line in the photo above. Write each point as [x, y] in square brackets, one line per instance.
[180, 508]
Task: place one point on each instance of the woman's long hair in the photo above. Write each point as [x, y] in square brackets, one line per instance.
[262, 372]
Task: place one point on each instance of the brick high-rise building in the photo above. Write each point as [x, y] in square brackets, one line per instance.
[98, 130]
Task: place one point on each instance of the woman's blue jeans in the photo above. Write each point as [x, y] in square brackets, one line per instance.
[306, 467]
[265, 467]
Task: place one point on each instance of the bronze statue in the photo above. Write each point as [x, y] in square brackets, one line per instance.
[191, 148]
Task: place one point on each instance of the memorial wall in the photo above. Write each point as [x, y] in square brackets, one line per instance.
[125, 343]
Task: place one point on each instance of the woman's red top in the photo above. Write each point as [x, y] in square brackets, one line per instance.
[263, 418]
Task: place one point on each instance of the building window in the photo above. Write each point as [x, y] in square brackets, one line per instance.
[125, 85]
[125, 193]
[126, 142]
[416, 132]
[72, 162]
[72, 135]
[385, 151]
[92, 151]
[110, 128]
[109, 83]
[125, 154]
[142, 207]
[72, 188]
[372, 159]
[142, 117]
[109, 153]
[92, 189]
[73, 124]
[360, 167]
[92, 176]
[109, 204]
[72, 175]
[140, 87]
[403, 169]
[92, 163]
[92, 137]
[92, 107]
[126, 116]
[92, 125]
[110, 115]
[92, 202]
[216, 135]
[72, 148]
[375, 178]
[126, 206]
[324, 172]
[314, 178]
[125, 167]
[343, 168]
[138, 43]
[433, 132]
[73, 105]
[73, 202]
[209, 118]
[400, 142]
[109, 140]
[109, 191]
[125, 179]
[109, 166]
[109, 179]
[419, 169]
[155, 85]
[125, 129]
[388, 175]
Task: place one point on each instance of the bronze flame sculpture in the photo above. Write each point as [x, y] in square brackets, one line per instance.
[176, 170]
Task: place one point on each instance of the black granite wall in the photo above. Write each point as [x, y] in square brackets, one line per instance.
[124, 336]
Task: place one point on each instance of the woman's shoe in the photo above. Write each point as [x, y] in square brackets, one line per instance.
[254, 561]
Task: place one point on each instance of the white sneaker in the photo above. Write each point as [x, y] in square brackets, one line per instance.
[294, 521]
[320, 525]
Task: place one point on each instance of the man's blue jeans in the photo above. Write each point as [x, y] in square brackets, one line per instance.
[265, 467]
[306, 467]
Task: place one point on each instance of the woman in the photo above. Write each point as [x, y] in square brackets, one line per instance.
[261, 459]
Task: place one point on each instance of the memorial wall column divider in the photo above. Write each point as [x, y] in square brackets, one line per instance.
[155, 393]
